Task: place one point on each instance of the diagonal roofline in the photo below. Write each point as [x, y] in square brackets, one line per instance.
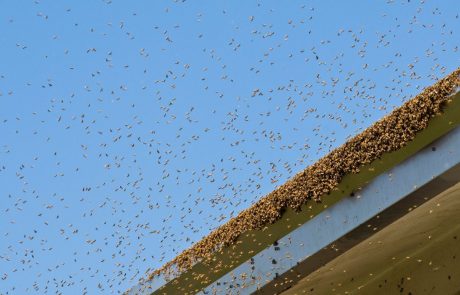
[386, 143]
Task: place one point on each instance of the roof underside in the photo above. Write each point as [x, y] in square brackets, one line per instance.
[417, 254]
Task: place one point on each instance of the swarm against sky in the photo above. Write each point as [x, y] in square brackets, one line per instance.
[131, 129]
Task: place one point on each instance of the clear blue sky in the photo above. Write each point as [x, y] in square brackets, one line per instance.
[130, 129]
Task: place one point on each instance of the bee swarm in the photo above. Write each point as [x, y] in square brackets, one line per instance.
[389, 134]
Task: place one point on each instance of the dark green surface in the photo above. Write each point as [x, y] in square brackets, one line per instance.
[417, 254]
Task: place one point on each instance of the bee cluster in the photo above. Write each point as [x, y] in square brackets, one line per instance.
[389, 134]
